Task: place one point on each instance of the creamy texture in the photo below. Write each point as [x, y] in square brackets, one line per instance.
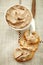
[18, 16]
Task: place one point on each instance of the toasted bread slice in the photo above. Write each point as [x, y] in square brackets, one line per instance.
[26, 55]
[31, 47]
[25, 44]
[33, 38]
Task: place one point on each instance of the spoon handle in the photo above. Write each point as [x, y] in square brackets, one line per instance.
[33, 8]
[20, 1]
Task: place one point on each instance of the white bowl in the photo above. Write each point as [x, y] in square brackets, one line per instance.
[20, 29]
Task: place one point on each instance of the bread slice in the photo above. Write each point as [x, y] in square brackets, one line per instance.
[32, 38]
[27, 58]
[31, 47]
[26, 55]
[25, 44]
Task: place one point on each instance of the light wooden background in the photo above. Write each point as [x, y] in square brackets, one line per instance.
[8, 36]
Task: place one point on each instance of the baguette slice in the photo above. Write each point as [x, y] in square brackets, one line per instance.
[26, 55]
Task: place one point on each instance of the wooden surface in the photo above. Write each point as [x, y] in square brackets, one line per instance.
[8, 36]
